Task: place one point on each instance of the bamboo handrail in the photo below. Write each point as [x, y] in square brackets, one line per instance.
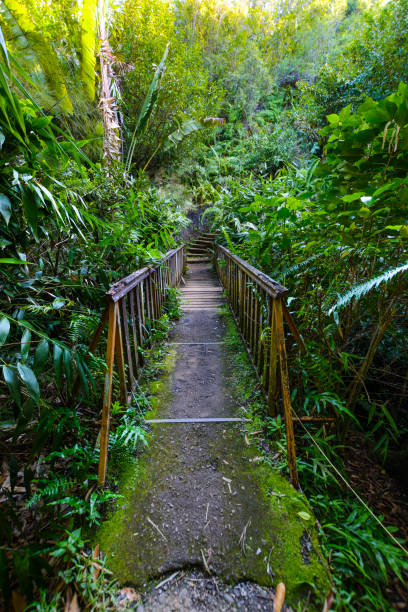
[258, 306]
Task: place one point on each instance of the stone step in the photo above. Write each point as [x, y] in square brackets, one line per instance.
[202, 242]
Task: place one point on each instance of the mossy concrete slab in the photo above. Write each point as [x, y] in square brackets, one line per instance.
[199, 496]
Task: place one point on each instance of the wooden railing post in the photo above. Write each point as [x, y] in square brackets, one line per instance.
[290, 435]
[107, 392]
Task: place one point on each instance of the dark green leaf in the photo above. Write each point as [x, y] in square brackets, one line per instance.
[4, 330]
[68, 367]
[25, 344]
[29, 379]
[41, 355]
[58, 356]
[13, 383]
[31, 210]
[5, 207]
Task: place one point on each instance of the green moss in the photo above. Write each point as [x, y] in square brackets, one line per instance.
[136, 476]
[161, 389]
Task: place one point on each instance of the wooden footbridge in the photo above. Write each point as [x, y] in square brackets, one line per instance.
[257, 304]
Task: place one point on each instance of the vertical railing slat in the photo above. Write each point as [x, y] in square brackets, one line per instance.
[120, 361]
[107, 392]
[290, 434]
[125, 326]
[134, 332]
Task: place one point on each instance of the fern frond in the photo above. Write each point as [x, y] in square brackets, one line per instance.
[212, 210]
[303, 264]
[62, 484]
[361, 290]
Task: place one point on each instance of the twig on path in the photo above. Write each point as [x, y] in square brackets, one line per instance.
[228, 481]
[206, 513]
[207, 569]
[156, 527]
[242, 539]
[166, 580]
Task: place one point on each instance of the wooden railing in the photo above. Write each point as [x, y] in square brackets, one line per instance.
[258, 305]
[131, 304]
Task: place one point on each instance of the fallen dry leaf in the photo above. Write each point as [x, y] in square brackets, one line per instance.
[74, 606]
[127, 595]
[279, 597]
[95, 556]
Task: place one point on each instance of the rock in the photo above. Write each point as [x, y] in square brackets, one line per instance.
[183, 593]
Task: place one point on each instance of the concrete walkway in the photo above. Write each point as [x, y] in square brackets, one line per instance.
[199, 495]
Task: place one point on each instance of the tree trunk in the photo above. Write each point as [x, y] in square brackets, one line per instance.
[112, 141]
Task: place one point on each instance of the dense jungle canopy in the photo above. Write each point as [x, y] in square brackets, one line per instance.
[279, 125]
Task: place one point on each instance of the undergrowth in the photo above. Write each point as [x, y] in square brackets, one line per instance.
[62, 504]
[361, 556]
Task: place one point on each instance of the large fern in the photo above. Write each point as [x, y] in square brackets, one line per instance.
[362, 289]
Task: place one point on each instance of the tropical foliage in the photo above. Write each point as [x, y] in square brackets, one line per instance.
[288, 122]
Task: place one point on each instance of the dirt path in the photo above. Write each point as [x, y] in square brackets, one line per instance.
[199, 496]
